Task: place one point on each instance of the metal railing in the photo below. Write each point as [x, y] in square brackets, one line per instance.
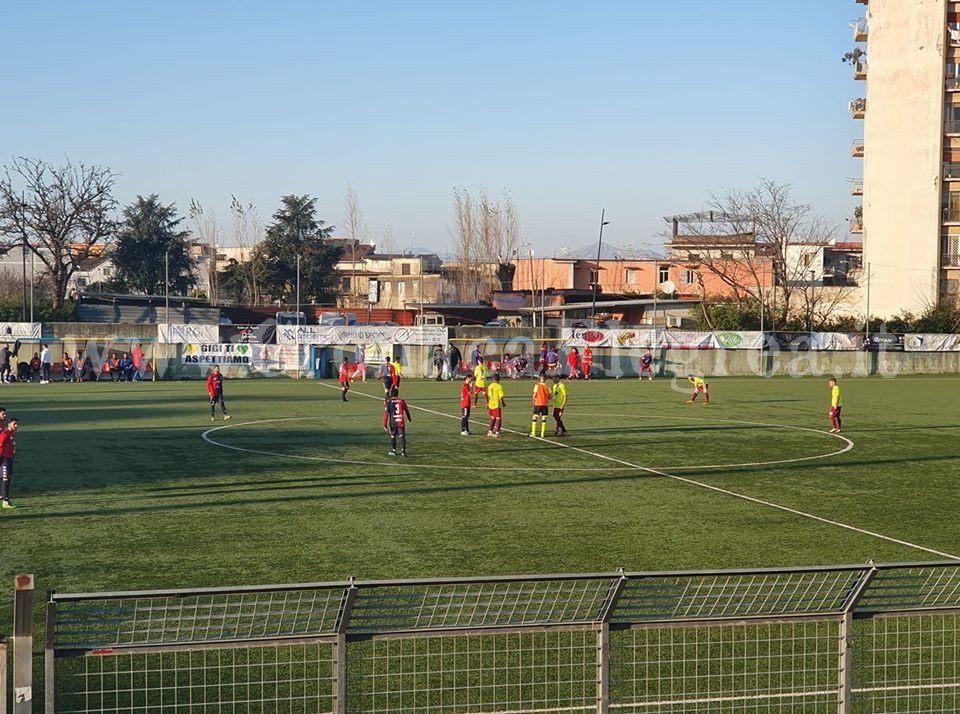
[858, 106]
[856, 147]
[951, 126]
[831, 638]
[856, 187]
[860, 28]
[856, 225]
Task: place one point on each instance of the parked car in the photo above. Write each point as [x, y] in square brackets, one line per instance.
[496, 323]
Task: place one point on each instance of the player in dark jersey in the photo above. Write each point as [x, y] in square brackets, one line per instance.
[396, 414]
[215, 391]
[646, 365]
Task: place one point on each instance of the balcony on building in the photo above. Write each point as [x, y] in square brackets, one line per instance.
[860, 70]
[953, 34]
[860, 30]
[951, 216]
[951, 127]
[856, 187]
[951, 170]
[950, 251]
[856, 225]
[856, 149]
[858, 107]
[863, 2]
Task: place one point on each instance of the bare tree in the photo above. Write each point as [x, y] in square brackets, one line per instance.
[208, 230]
[249, 233]
[389, 243]
[60, 213]
[356, 232]
[748, 239]
[486, 232]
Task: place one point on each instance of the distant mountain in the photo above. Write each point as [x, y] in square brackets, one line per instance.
[609, 251]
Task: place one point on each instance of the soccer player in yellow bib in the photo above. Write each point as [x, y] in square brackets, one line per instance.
[699, 385]
[495, 402]
[836, 404]
[479, 381]
[559, 396]
[541, 399]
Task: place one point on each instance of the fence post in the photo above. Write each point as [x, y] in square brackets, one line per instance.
[603, 643]
[340, 651]
[22, 644]
[49, 686]
[845, 641]
[3, 674]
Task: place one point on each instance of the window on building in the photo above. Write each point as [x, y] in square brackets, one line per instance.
[345, 284]
[663, 274]
[631, 276]
[726, 255]
[385, 286]
[405, 269]
[594, 276]
[687, 277]
[401, 287]
[107, 272]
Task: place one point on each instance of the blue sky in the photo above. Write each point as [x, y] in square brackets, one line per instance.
[643, 108]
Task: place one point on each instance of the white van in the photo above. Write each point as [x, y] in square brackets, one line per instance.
[429, 319]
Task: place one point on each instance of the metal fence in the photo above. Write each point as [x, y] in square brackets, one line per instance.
[849, 638]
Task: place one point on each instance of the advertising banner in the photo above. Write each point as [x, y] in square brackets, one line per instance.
[836, 341]
[686, 340]
[361, 334]
[20, 330]
[793, 341]
[931, 343]
[738, 340]
[256, 357]
[640, 338]
[178, 334]
[886, 342]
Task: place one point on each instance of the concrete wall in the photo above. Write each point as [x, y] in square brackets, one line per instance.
[903, 139]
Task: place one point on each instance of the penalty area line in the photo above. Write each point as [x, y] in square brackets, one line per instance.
[707, 486]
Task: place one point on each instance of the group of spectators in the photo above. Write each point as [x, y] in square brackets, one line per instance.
[123, 367]
[547, 362]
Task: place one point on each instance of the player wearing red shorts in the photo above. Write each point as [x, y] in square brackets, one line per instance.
[495, 403]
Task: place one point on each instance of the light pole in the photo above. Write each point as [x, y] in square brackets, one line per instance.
[298, 316]
[810, 304]
[596, 284]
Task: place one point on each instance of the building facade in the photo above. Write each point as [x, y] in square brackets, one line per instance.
[908, 54]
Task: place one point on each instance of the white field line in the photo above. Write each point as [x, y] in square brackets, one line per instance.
[710, 487]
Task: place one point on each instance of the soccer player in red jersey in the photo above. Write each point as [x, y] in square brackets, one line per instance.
[466, 394]
[344, 378]
[396, 414]
[215, 390]
[8, 447]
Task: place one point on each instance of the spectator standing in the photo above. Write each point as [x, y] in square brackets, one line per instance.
[475, 356]
[454, 359]
[361, 367]
[573, 363]
[8, 447]
[35, 366]
[5, 364]
[137, 357]
[587, 361]
[45, 365]
[438, 361]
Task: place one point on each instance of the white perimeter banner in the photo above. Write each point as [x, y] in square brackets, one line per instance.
[834, 342]
[686, 340]
[179, 334]
[738, 340]
[931, 343]
[360, 334]
[578, 337]
[20, 330]
[233, 354]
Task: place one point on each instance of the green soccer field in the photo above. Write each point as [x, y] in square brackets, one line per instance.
[126, 487]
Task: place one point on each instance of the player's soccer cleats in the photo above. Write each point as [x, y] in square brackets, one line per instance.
[464, 433]
[226, 416]
[403, 454]
[689, 401]
[7, 504]
[213, 418]
[391, 453]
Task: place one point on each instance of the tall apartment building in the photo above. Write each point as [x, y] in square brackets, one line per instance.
[910, 217]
